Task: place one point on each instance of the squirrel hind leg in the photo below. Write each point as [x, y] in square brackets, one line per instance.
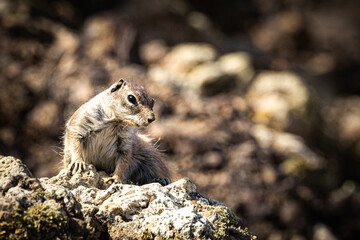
[142, 173]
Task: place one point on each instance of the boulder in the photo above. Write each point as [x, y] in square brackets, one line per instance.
[194, 67]
[278, 99]
[238, 64]
[183, 57]
[84, 206]
[297, 158]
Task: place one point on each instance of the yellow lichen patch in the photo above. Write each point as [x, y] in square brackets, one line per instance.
[227, 222]
[297, 166]
[188, 185]
[207, 214]
[147, 235]
[37, 221]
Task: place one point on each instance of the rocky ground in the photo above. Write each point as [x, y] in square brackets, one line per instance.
[84, 207]
[266, 120]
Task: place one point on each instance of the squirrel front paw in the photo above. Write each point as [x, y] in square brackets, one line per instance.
[77, 167]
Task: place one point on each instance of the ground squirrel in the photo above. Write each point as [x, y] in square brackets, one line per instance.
[103, 132]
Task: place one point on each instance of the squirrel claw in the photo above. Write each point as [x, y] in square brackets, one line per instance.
[111, 180]
[162, 180]
[77, 167]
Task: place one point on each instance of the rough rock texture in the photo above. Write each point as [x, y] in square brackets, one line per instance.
[83, 206]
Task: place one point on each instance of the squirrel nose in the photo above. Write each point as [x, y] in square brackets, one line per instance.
[152, 118]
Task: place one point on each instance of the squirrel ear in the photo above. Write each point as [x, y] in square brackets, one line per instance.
[117, 85]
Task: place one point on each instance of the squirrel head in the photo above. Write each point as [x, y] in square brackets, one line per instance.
[131, 104]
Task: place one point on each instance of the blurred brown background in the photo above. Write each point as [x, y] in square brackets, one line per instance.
[257, 102]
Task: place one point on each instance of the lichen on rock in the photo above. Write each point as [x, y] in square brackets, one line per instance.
[83, 206]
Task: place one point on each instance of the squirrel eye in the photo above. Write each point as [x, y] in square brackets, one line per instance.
[132, 99]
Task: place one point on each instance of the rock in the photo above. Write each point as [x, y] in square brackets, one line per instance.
[7, 136]
[277, 98]
[194, 67]
[322, 232]
[100, 36]
[153, 51]
[212, 160]
[180, 60]
[44, 117]
[12, 173]
[83, 206]
[239, 64]
[342, 120]
[199, 21]
[81, 89]
[208, 79]
[297, 158]
[34, 79]
[30, 210]
[66, 41]
[184, 57]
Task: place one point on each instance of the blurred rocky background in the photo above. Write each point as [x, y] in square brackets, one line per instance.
[257, 102]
